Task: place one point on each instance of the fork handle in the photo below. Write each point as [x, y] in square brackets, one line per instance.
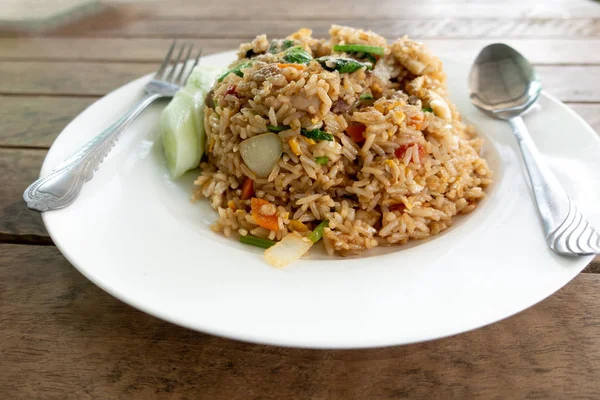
[566, 231]
[62, 185]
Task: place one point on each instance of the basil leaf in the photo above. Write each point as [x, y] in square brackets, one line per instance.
[369, 57]
[342, 64]
[278, 45]
[287, 44]
[297, 55]
[317, 134]
[236, 70]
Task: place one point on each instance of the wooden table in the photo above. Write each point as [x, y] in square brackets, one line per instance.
[62, 337]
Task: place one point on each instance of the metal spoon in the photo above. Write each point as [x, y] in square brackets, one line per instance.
[503, 84]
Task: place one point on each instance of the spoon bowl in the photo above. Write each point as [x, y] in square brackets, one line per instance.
[502, 82]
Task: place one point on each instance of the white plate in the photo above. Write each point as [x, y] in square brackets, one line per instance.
[135, 234]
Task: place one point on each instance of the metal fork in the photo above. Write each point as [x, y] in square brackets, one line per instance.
[61, 187]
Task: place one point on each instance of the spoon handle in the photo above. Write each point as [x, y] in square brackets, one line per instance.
[567, 232]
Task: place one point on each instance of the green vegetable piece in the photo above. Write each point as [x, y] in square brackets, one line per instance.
[274, 47]
[297, 55]
[428, 109]
[278, 45]
[322, 160]
[366, 96]
[317, 234]
[236, 70]
[342, 64]
[371, 58]
[287, 44]
[256, 241]
[279, 128]
[358, 48]
[182, 145]
[182, 122]
[317, 134]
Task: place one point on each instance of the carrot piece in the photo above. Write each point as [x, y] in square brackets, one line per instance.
[269, 222]
[299, 67]
[247, 189]
[356, 132]
[416, 121]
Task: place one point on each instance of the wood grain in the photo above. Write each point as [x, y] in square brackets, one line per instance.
[590, 113]
[546, 51]
[568, 83]
[36, 121]
[116, 25]
[542, 51]
[17, 223]
[63, 338]
[65, 78]
[340, 9]
[100, 49]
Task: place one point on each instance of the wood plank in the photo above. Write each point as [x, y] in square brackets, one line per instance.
[121, 26]
[36, 121]
[594, 267]
[62, 337]
[553, 51]
[99, 49]
[67, 78]
[590, 113]
[18, 223]
[339, 9]
[569, 83]
[540, 51]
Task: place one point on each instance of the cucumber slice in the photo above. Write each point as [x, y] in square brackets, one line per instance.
[182, 122]
[203, 77]
[181, 142]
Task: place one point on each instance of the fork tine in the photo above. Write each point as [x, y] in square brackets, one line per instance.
[194, 66]
[161, 70]
[185, 60]
[169, 78]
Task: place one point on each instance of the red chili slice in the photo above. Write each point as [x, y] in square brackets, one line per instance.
[356, 132]
[401, 151]
[231, 90]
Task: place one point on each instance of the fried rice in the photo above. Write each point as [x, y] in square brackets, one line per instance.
[412, 167]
